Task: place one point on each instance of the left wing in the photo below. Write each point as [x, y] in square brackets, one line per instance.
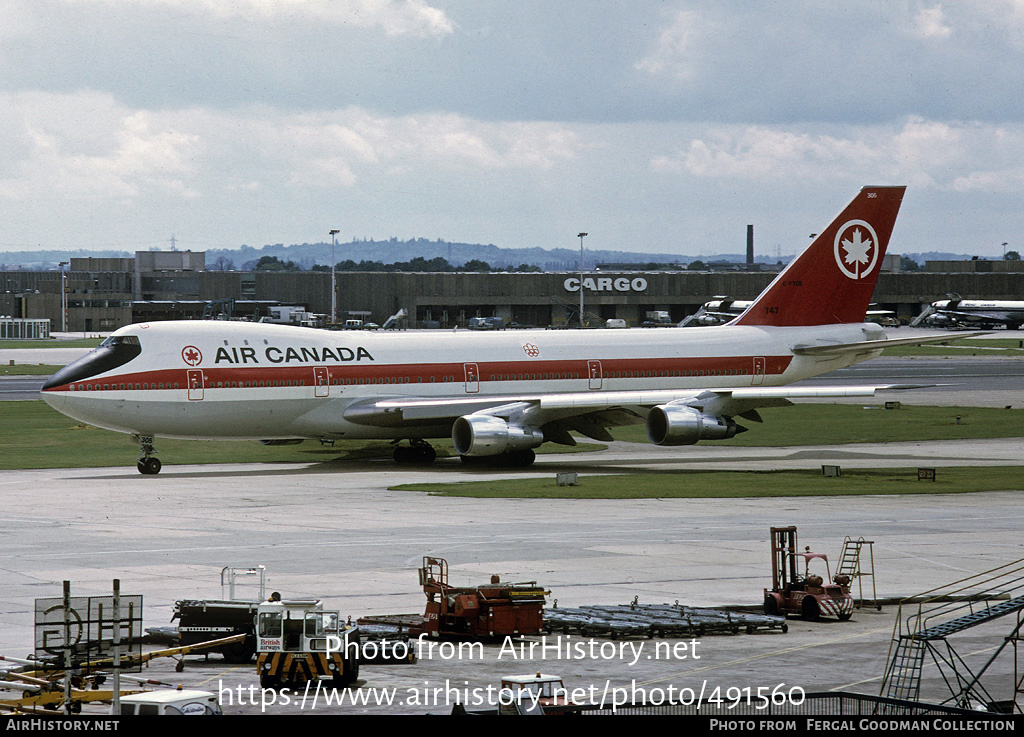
[591, 413]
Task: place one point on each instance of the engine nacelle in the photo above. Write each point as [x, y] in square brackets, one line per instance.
[672, 424]
[486, 435]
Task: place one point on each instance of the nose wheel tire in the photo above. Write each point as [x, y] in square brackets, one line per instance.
[149, 466]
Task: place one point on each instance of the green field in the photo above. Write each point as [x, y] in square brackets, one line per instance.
[676, 484]
[51, 343]
[29, 369]
[32, 435]
[993, 348]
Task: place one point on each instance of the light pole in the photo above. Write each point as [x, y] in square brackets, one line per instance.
[334, 291]
[581, 236]
[64, 297]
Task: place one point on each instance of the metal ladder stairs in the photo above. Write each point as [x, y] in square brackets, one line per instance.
[954, 608]
[990, 612]
[903, 680]
[850, 564]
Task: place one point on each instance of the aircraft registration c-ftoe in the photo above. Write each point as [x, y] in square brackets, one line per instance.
[497, 395]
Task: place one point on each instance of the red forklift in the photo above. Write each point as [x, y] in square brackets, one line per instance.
[807, 595]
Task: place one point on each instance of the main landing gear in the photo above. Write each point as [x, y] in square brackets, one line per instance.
[148, 463]
[418, 452]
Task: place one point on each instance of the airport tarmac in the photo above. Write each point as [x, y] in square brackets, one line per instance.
[338, 533]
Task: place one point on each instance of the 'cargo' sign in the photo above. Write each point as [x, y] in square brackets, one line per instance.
[606, 284]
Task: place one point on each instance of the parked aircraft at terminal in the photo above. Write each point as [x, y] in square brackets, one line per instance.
[498, 395]
[722, 309]
[977, 312]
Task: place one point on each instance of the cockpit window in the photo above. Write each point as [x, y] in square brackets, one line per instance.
[120, 340]
[112, 353]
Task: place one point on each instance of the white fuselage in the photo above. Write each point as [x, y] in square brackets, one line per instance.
[256, 381]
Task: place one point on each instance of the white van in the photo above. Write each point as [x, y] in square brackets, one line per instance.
[171, 701]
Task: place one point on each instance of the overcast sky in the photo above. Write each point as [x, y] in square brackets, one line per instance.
[661, 126]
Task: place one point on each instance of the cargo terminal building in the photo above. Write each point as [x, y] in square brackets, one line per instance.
[104, 294]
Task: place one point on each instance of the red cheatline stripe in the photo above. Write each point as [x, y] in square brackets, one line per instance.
[364, 373]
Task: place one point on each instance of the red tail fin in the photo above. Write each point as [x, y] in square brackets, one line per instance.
[832, 281]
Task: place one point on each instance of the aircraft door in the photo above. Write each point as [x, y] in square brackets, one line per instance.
[758, 374]
[472, 378]
[321, 381]
[594, 373]
[195, 384]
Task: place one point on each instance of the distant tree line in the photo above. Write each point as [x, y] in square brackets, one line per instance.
[418, 264]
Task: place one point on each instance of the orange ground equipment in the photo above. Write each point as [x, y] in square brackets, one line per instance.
[492, 610]
[807, 595]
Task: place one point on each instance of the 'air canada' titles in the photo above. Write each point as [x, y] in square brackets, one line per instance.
[289, 354]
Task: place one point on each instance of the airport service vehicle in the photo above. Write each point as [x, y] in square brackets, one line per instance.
[806, 594]
[532, 694]
[200, 620]
[957, 311]
[177, 702]
[497, 394]
[486, 323]
[492, 610]
[298, 641]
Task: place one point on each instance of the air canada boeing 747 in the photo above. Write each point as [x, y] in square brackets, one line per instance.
[497, 395]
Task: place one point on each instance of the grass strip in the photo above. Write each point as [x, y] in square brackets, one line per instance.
[29, 369]
[993, 348]
[676, 484]
[51, 343]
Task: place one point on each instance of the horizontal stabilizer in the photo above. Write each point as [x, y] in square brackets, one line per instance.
[877, 345]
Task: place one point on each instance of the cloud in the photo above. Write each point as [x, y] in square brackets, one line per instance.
[394, 17]
[922, 153]
[763, 153]
[931, 23]
[90, 148]
[99, 148]
[248, 120]
[673, 51]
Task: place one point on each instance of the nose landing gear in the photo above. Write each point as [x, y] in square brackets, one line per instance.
[148, 463]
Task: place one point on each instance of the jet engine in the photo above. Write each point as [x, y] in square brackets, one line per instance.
[487, 435]
[672, 424]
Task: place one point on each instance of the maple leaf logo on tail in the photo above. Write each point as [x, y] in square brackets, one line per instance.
[856, 249]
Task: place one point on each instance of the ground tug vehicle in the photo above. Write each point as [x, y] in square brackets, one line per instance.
[200, 620]
[495, 609]
[297, 641]
[807, 595]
